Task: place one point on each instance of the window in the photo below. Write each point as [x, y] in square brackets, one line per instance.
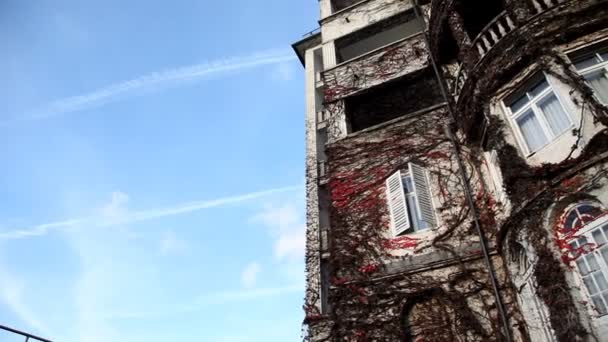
[592, 64]
[409, 200]
[537, 113]
[590, 249]
[581, 215]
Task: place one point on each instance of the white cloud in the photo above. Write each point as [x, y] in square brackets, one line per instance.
[38, 230]
[170, 244]
[286, 225]
[249, 276]
[290, 245]
[159, 79]
[116, 206]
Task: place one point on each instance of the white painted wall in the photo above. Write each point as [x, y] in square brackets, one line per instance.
[325, 6]
[312, 195]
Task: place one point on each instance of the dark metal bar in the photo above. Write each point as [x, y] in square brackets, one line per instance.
[26, 335]
[467, 185]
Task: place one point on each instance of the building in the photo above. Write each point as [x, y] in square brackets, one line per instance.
[457, 170]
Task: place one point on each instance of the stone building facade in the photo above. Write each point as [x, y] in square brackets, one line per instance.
[457, 170]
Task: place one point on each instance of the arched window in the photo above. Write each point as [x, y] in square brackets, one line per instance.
[587, 229]
[581, 215]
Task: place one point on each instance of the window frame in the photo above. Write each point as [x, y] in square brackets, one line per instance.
[587, 232]
[602, 65]
[533, 104]
[413, 195]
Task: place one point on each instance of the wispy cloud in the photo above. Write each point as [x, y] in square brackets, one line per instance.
[286, 224]
[214, 298]
[156, 80]
[124, 216]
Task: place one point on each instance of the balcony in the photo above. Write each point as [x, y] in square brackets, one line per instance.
[495, 32]
[378, 66]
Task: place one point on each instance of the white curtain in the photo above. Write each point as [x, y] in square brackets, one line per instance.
[599, 83]
[554, 113]
[531, 130]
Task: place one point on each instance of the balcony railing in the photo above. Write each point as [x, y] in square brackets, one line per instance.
[542, 5]
[378, 66]
[27, 337]
[493, 33]
[496, 30]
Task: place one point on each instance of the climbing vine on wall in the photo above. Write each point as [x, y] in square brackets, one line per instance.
[367, 300]
[361, 242]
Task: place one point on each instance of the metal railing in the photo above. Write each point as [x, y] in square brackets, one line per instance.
[312, 33]
[28, 337]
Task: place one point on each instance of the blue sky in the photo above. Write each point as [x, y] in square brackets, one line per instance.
[151, 181]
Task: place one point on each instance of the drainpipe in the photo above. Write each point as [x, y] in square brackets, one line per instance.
[467, 186]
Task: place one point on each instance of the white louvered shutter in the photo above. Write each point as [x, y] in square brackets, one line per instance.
[400, 221]
[423, 194]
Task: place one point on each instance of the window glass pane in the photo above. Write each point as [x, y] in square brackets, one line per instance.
[604, 55]
[592, 262]
[605, 229]
[582, 266]
[586, 62]
[539, 87]
[532, 132]
[414, 214]
[599, 304]
[600, 280]
[519, 103]
[590, 285]
[604, 251]
[598, 236]
[570, 220]
[599, 82]
[555, 114]
[407, 184]
[586, 209]
[582, 241]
